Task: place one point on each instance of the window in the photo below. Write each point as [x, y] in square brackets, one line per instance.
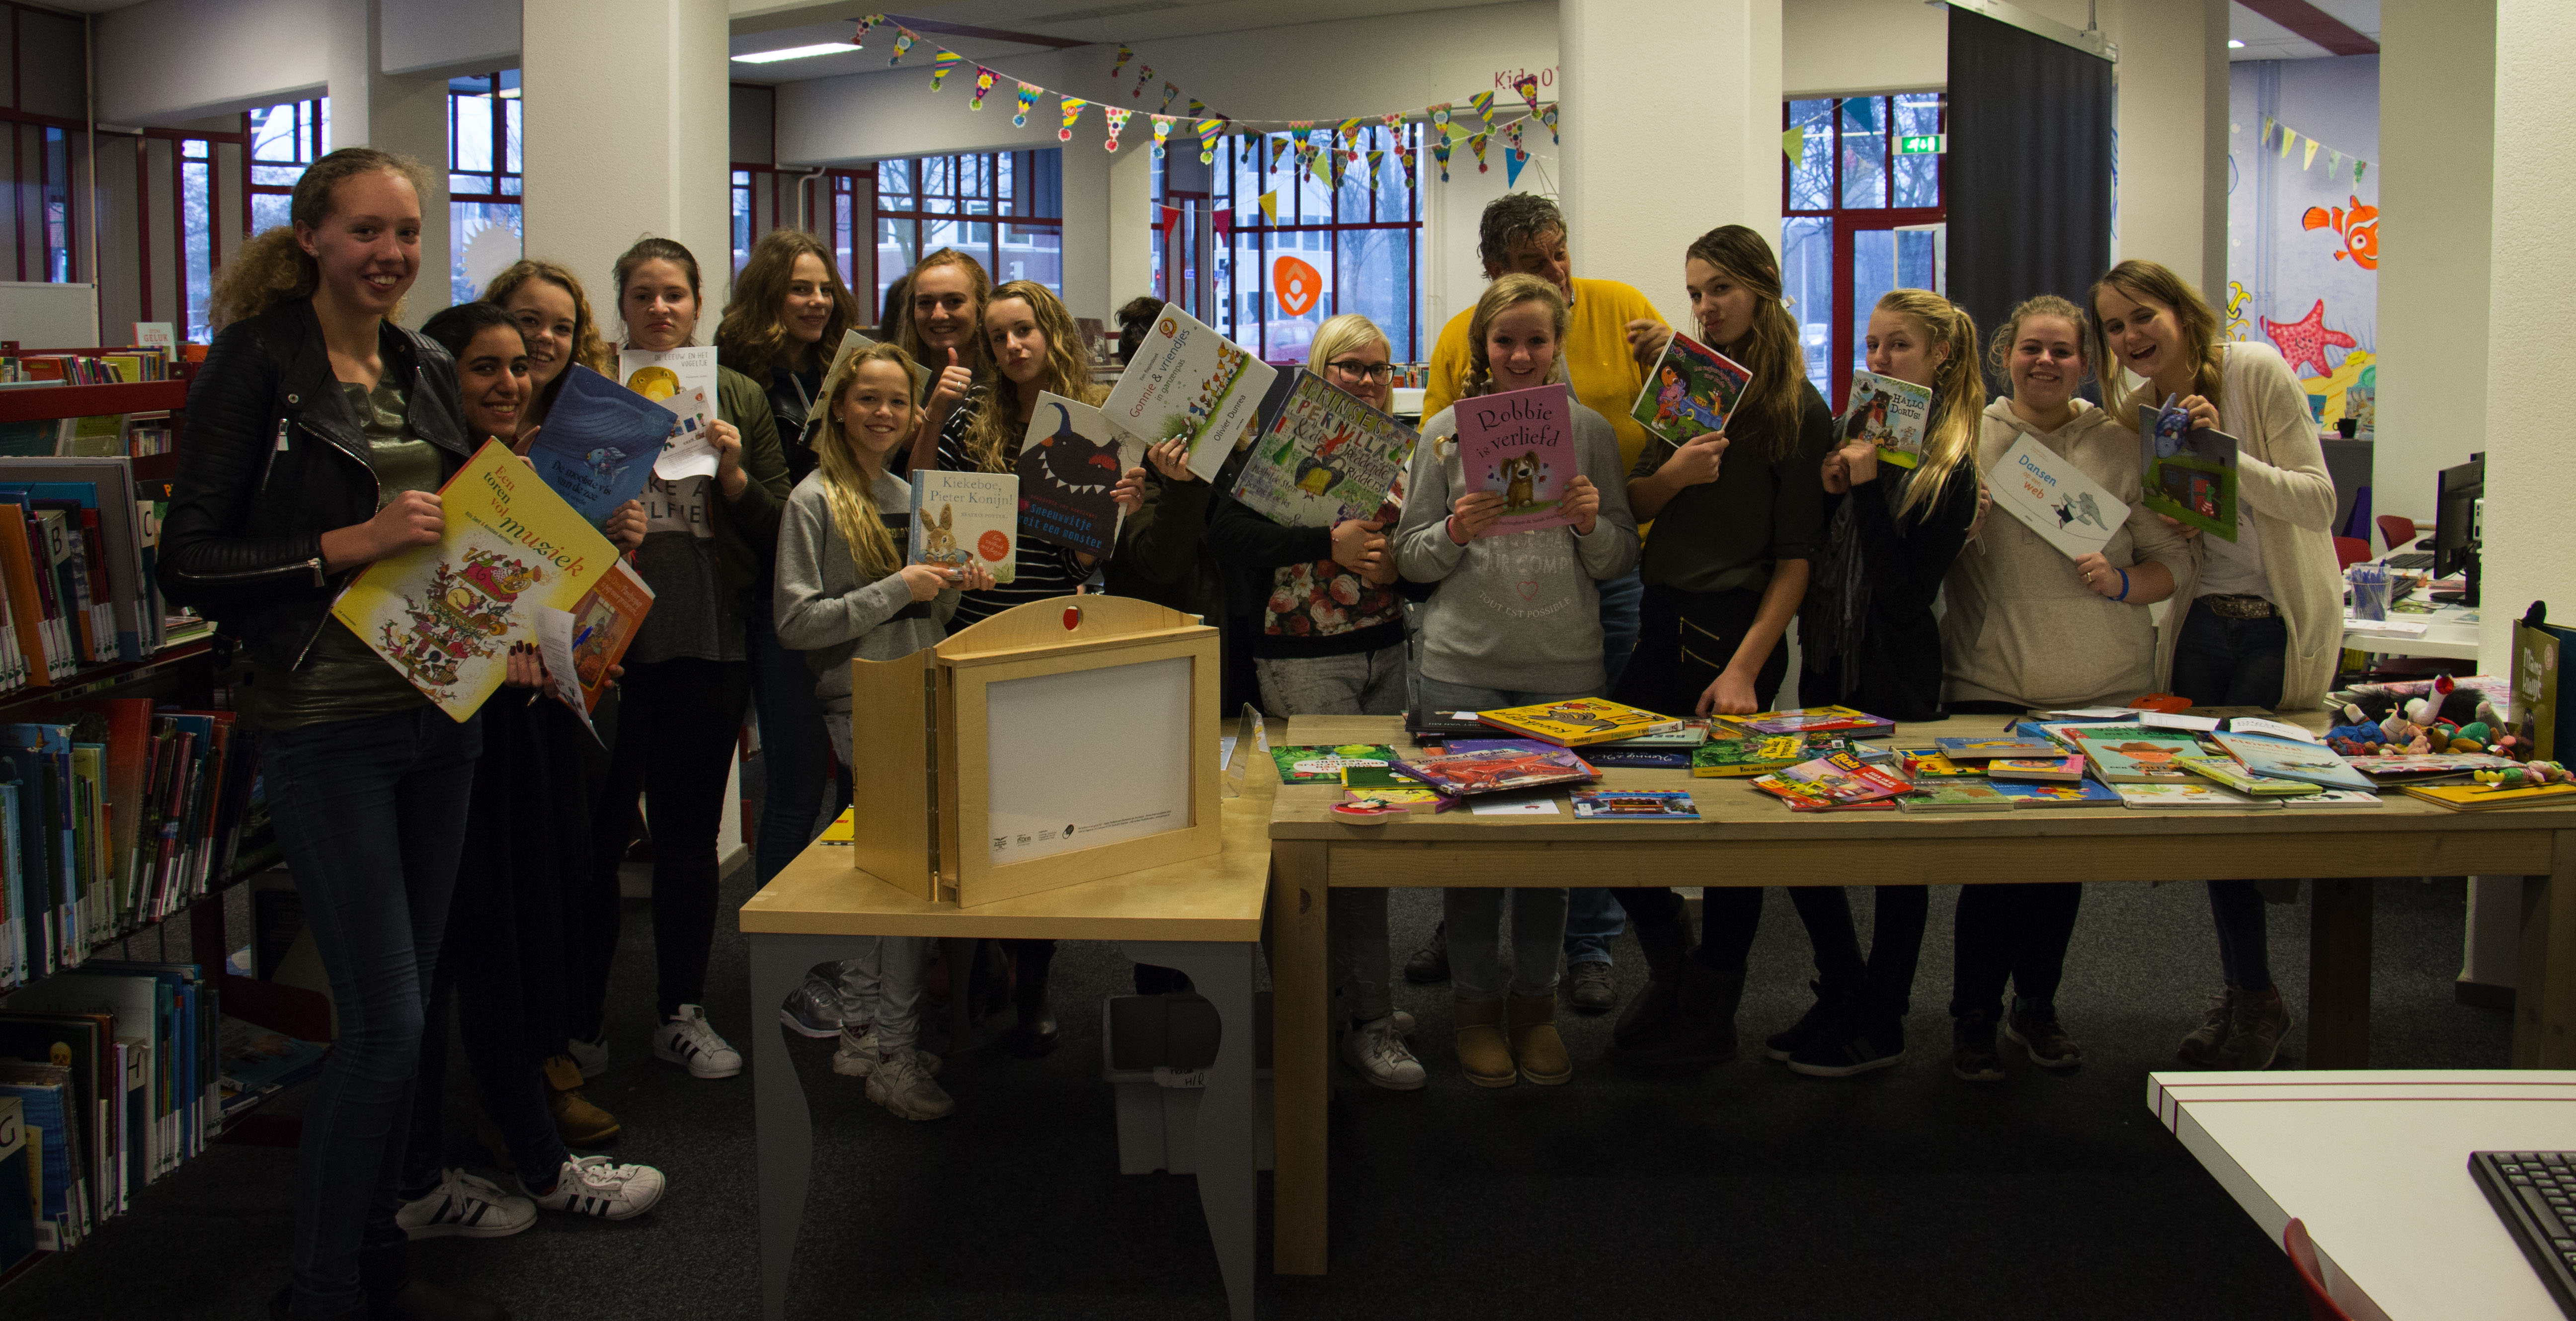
[1859, 217]
[45, 221]
[197, 256]
[1003, 208]
[1330, 250]
[483, 180]
[283, 140]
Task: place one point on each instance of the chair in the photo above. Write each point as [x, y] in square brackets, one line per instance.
[2396, 530]
[2350, 551]
[2303, 1257]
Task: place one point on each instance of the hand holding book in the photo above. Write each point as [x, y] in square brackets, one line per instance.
[411, 519]
[1696, 461]
[1473, 513]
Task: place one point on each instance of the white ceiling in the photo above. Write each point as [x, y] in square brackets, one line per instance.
[90, 6]
[2267, 40]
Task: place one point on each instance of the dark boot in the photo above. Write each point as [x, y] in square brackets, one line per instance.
[1702, 1030]
[1650, 1013]
[1034, 1034]
[395, 1294]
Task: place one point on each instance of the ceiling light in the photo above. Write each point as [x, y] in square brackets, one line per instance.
[2234, 44]
[794, 53]
[509, 94]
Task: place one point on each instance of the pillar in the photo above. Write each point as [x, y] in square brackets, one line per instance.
[2530, 486]
[1130, 244]
[2173, 139]
[626, 135]
[372, 108]
[2437, 69]
[1645, 169]
[1087, 174]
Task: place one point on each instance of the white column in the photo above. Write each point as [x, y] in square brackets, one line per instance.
[2173, 138]
[371, 108]
[2530, 486]
[2437, 92]
[1130, 246]
[1669, 129]
[626, 135]
[1088, 170]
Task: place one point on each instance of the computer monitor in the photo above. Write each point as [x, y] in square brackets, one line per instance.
[2457, 492]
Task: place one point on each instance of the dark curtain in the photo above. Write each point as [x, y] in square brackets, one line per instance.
[2029, 189]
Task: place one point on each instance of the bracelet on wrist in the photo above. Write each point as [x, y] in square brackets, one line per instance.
[2124, 586]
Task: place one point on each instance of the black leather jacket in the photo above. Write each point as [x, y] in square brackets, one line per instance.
[273, 458]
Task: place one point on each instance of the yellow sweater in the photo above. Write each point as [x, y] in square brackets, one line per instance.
[1606, 377]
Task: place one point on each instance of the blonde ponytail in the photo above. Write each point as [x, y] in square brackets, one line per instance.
[847, 489]
[1958, 391]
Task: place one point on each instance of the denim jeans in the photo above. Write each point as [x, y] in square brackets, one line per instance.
[796, 759]
[1592, 917]
[371, 814]
[2234, 662]
[1622, 603]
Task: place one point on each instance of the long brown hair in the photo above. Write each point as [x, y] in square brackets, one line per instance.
[976, 280]
[272, 268]
[1773, 402]
[1504, 294]
[588, 349]
[2147, 281]
[846, 488]
[1958, 391]
[994, 436]
[752, 339]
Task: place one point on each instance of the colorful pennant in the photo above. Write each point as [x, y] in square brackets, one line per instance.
[1117, 125]
[1143, 76]
[940, 64]
[1162, 130]
[1073, 108]
[1527, 86]
[903, 40]
[1169, 91]
[1124, 55]
[983, 83]
[1548, 117]
[1484, 104]
[1209, 131]
[1028, 101]
[1270, 205]
[1476, 143]
[1440, 153]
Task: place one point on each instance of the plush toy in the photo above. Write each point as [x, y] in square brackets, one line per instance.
[2527, 776]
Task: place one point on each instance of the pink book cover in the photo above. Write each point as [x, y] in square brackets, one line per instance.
[1521, 443]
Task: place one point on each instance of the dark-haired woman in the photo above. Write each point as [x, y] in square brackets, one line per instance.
[319, 433]
[707, 543]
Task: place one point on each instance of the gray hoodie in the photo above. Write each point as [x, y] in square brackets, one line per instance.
[826, 611]
[1522, 611]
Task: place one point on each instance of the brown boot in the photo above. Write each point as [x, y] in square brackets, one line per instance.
[1535, 1044]
[577, 1121]
[1481, 1050]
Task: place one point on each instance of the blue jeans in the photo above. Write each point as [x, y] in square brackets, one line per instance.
[1474, 916]
[1592, 917]
[371, 814]
[795, 753]
[1623, 607]
[2234, 662]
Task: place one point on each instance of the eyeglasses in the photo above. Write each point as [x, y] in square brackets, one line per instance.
[1362, 371]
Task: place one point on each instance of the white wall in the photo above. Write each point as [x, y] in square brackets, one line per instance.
[449, 37]
[1855, 47]
[1087, 289]
[166, 60]
[2173, 138]
[2437, 200]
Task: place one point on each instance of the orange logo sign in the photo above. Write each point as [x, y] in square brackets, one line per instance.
[1297, 284]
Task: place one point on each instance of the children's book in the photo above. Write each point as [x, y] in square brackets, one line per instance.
[1425, 801]
[2037, 770]
[2232, 773]
[2480, 798]
[1324, 765]
[1955, 796]
[1729, 758]
[1803, 798]
[446, 615]
[1377, 777]
[1069, 461]
[2390, 768]
[598, 444]
[1987, 749]
[1627, 757]
[1323, 458]
[2190, 475]
[1189, 383]
[2333, 800]
[1581, 721]
[1690, 391]
[582, 645]
[958, 517]
[1890, 414]
[1844, 778]
[1929, 764]
[2135, 755]
[2190, 795]
[2082, 793]
[1520, 443]
[2286, 760]
[2054, 498]
[1815, 720]
[1426, 726]
[683, 381]
[1691, 734]
[1633, 805]
[2274, 728]
[1494, 770]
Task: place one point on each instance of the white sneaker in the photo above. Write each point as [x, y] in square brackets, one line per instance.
[859, 1054]
[466, 1206]
[901, 1083]
[814, 1009]
[594, 1186]
[687, 1039]
[592, 1056]
[1376, 1048]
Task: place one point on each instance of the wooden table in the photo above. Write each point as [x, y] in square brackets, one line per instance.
[1748, 838]
[2376, 1164]
[1202, 917]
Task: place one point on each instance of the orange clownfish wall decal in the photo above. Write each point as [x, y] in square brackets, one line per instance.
[2359, 226]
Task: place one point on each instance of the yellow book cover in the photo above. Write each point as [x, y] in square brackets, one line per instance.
[446, 615]
[1583, 720]
[1735, 758]
[2480, 798]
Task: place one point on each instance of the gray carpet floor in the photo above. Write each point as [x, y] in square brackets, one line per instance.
[1748, 1191]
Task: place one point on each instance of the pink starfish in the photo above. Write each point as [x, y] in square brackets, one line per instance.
[2306, 340]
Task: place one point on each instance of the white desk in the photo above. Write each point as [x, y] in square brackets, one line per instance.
[2450, 632]
[2376, 1163]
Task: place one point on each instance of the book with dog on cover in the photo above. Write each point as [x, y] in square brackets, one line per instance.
[1520, 443]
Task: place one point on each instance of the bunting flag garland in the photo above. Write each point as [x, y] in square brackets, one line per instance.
[1793, 144]
[1209, 131]
[1376, 166]
[1143, 76]
[1124, 55]
[903, 40]
[983, 83]
[1439, 116]
[1349, 127]
[1404, 161]
[1548, 117]
[1278, 148]
[1270, 205]
[1169, 91]
[1198, 108]
[1162, 130]
[1476, 144]
[2358, 165]
[1512, 163]
[1527, 86]
[867, 24]
[2334, 162]
[1117, 125]
[1028, 101]
[1073, 108]
[940, 64]
[1440, 153]
[1484, 104]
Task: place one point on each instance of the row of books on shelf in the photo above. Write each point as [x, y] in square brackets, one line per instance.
[110, 368]
[98, 436]
[78, 581]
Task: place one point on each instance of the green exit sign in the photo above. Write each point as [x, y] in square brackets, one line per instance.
[1921, 144]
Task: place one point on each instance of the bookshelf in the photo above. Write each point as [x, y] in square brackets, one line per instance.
[47, 403]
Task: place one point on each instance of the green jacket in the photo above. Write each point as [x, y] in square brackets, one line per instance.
[746, 528]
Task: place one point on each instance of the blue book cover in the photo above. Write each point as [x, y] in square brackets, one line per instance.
[2285, 759]
[2080, 793]
[17, 1185]
[48, 1108]
[598, 443]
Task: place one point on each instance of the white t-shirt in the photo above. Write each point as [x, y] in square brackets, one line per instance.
[2234, 568]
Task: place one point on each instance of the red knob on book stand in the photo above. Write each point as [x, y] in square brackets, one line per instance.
[1072, 618]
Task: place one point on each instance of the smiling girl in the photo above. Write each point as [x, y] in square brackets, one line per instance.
[554, 317]
[943, 330]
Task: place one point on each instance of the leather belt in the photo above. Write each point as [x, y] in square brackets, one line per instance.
[2239, 607]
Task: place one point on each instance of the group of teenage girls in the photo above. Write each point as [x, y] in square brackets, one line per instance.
[476, 864]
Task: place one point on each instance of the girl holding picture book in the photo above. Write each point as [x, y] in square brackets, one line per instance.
[1516, 620]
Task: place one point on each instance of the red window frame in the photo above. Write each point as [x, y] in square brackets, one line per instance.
[1848, 221]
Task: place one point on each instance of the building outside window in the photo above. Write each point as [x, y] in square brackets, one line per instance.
[1860, 217]
[1003, 208]
[484, 226]
[283, 140]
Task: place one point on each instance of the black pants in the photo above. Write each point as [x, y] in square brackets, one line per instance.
[2234, 662]
[677, 720]
[2015, 933]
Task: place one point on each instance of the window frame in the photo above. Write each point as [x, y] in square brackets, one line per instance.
[919, 215]
[1848, 222]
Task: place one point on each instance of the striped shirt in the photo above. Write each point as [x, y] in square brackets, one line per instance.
[1043, 569]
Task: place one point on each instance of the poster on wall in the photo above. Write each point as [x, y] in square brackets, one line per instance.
[2303, 226]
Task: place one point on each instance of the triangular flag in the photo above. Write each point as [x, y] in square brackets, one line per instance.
[2357, 167]
[1484, 104]
[1377, 166]
[2309, 162]
[1440, 153]
[2288, 140]
[1270, 205]
[1315, 164]
[1439, 116]
[1162, 130]
[1793, 144]
[2268, 125]
[1169, 92]
[983, 83]
[1527, 86]
[903, 40]
[1198, 108]
[1124, 55]
[1028, 101]
[2334, 163]
[1117, 122]
[1346, 129]
[1339, 169]
[1548, 117]
[940, 64]
[1209, 131]
[1143, 76]
[1512, 162]
[867, 25]
[1278, 148]
[1073, 108]
[1476, 144]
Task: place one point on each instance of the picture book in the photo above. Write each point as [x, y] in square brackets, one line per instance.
[1583, 720]
[582, 645]
[1690, 392]
[2232, 773]
[2081, 793]
[1069, 461]
[1494, 770]
[682, 381]
[1520, 443]
[1890, 414]
[2258, 725]
[2480, 798]
[1955, 796]
[1425, 725]
[2390, 768]
[1987, 749]
[963, 516]
[2135, 755]
[1691, 734]
[1376, 777]
[2037, 770]
[1324, 458]
[2186, 796]
[2190, 475]
[447, 614]
[598, 444]
[1188, 382]
[1633, 805]
[2286, 760]
[2333, 800]
[1629, 757]
[1929, 764]
[2180, 720]
[1424, 801]
[1815, 720]
[2053, 497]
[1324, 765]
[2061, 733]
[1803, 798]
[1729, 758]
[1844, 778]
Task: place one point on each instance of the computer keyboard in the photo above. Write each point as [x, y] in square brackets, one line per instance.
[2534, 1193]
[2413, 559]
